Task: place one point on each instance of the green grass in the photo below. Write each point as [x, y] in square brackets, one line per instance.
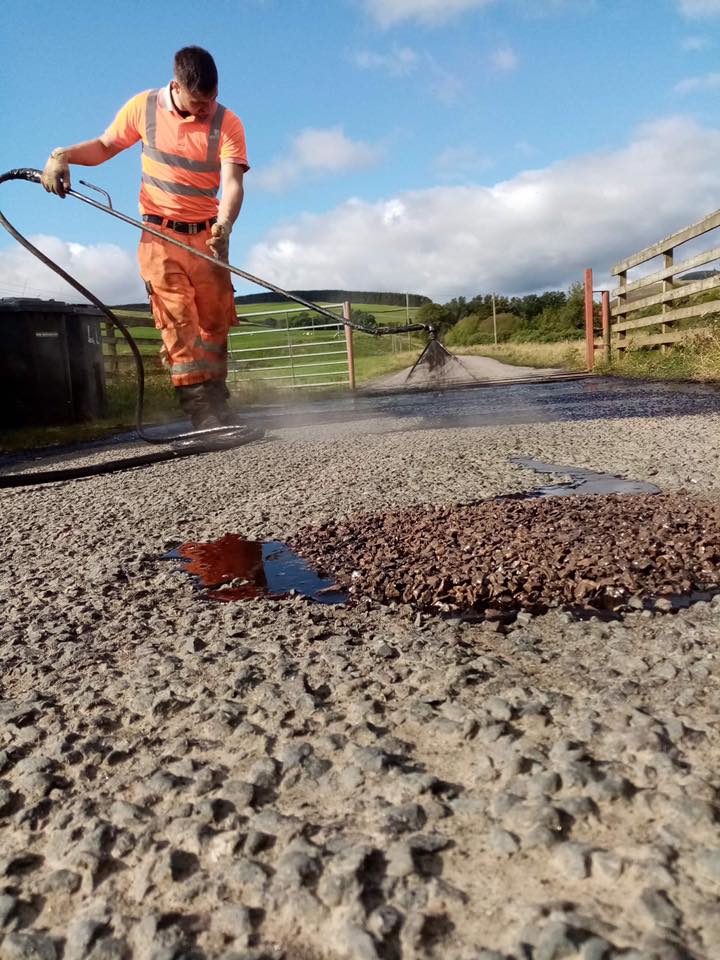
[564, 354]
[695, 359]
[160, 407]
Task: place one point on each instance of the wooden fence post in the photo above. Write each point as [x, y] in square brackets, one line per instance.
[112, 353]
[667, 286]
[606, 324]
[621, 301]
[589, 329]
[349, 346]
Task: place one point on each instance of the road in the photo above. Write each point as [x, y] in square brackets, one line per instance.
[275, 778]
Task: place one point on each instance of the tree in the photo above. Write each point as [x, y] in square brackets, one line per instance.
[435, 315]
[458, 308]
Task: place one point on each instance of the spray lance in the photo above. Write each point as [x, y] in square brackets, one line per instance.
[184, 444]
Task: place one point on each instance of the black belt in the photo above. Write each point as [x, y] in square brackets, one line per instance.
[179, 225]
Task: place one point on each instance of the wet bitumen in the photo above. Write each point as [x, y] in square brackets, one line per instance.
[233, 568]
[590, 398]
[584, 482]
[587, 398]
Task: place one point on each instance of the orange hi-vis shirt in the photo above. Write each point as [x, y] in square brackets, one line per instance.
[181, 155]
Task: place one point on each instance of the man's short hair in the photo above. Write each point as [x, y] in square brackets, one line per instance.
[196, 70]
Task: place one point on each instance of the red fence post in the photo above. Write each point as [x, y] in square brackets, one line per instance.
[349, 346]
[589, 332]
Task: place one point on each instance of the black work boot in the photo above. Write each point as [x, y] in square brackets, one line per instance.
[196, 402]
[219, 396]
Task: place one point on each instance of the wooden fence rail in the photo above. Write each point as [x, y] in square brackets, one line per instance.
[656, 293]
[117, 363]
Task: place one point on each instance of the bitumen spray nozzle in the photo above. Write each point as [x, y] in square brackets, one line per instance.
[436, 364]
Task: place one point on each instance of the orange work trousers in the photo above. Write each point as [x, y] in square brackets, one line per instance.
[192, 304]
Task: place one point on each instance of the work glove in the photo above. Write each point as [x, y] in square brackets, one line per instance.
[56, 175]
[219, 241]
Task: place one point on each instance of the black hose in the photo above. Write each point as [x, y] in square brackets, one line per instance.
[178, 445]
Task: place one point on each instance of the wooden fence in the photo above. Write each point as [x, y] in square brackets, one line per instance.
[118, 359]
[656, 294]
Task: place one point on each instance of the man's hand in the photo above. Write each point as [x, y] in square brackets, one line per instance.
[219, 241]
[56, 175]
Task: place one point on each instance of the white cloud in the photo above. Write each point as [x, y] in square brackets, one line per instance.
[463, 161]
[694, 43]
[700, 8]
[400, 62]
[444, 84]
[538, 230]
[108, 271]
[709, 81]
[388, 12]
[504, 59]
[313, 152]
[432, 12]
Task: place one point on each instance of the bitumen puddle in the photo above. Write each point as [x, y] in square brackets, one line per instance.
[584, 482]
[234, 568]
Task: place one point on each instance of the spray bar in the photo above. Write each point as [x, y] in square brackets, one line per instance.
[28, 173]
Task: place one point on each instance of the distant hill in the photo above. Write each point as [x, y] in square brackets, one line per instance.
[339, 296]
[698, 275]
[321, 296]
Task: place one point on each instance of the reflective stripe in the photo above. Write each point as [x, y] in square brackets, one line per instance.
[220, 348]
[172, 160]
[213, 150]
[197, 366]
[151, 118]
[180, 188]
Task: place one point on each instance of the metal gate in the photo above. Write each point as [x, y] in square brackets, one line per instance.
[305, 356]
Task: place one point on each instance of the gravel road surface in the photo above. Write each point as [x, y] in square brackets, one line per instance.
[281, 779]
[454, 369]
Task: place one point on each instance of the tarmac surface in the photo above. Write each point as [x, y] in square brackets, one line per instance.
[285, 779]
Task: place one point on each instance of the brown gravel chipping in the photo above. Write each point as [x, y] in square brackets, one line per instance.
[511, 554]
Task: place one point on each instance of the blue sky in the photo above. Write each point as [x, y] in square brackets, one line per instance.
[444, 147]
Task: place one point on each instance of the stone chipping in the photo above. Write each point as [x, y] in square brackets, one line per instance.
[278, 779]
[584, 553]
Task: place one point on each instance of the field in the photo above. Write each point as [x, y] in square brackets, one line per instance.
[264, 346]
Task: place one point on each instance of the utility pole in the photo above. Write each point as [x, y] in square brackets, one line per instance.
[407, 317]
[494, 319]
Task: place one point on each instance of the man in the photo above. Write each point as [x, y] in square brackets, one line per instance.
[191, 145]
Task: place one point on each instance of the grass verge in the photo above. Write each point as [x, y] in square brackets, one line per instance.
[695, 359]
[565, 354]
[160, 406]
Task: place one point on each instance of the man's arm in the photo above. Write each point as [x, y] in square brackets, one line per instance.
[56, 175]
[90, 153]
[233, 192]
